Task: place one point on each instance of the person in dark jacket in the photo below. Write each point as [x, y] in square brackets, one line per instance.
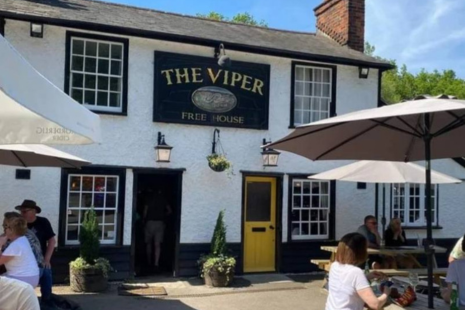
[394, 236]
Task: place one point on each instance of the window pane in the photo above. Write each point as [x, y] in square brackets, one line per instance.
[103, 66]
[315, 201]
[108, 232]
[308, 89]
[76, 94]
[89, 97]
[99, 200]
[324, 187]
[102, 98]
[318, 75]
[306, 103]
[315, 104]
[102, 83]
[295, 229]
[314, 215]
[90, 81]
[323, 228]
[115, 67]
[299, 88]
[78, 80]
[304, 227]
[305, 215]
[78, 47]
[91, 48]
[99, 184]
[75, 183]
[115, 84]
[295, 215]
[111, 201]
[324, 105]
[315, 188]
[73, 200]
[72, 233]
[298, 117]
[99, 216]
[109, 216]
[104, 50]
[297, 187]
[116, 51]
[73, 216]
[308, 74]
[299, 73]
[323, 215]
[306, 202]
[314, 229]
[86, 201]
[111, 184]
[326, 90]
[115, 100]
[298, 102]
[297, 202]
[317, 89]
[77, 63]
[306, 117]
[258, 202]
[306, 187]
[324, 202]
[326, 76]
[91, 65]
[87, 183]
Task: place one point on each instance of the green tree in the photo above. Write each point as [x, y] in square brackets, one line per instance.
[89, 238]
[399, 84]
[218, 243]
[240, 18]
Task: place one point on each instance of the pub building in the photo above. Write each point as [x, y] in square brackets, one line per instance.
[172, 89]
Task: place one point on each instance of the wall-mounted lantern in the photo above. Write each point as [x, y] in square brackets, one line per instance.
[363, 72]
[37, 30]
[270, 156]
[163, 150]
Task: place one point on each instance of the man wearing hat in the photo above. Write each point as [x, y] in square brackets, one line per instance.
[44, 232]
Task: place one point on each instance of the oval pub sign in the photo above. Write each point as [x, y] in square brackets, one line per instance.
[214, 99]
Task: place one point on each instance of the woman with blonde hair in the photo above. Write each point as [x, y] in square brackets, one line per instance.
[395, 236]
[18, 258]
[349, 288]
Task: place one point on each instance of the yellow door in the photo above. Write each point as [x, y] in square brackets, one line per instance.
[259, 224]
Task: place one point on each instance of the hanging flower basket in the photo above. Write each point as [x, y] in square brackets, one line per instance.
[218, 163]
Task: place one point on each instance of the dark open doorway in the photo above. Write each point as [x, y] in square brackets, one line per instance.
[148, 183]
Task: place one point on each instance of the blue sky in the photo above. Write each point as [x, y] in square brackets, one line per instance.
[426, 34]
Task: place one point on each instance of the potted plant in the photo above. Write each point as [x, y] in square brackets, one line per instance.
[89, 272]
[217, 268]
[218, 162]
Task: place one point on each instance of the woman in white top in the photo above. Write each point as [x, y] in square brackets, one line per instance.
[349, 288]
[18, 258]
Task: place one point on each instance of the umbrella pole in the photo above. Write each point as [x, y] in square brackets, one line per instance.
[429, 232]
[383, 219]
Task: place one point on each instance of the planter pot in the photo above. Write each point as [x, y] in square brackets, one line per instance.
[88, 280]
[215, 168]
[218, 279]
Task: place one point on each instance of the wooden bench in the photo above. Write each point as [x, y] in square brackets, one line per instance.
[323, 264]
[437, 272]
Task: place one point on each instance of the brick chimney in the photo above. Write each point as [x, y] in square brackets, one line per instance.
[343, 21]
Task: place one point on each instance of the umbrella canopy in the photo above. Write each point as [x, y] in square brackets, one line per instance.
[384, 172]
[37, 155]
[33, 110]
[424, 129]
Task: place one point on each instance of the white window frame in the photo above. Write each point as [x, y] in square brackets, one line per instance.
[81, 208]
[304, 103]
[419, 205]
[96, 107]
[310, 208]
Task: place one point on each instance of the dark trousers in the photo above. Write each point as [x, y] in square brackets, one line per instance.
[46, 283]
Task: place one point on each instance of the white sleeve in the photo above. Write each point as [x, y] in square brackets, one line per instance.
[14, 249]
[360, 280]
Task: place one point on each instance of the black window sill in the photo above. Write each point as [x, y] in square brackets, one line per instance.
[108, 113]
[77, 247]
[420, 227]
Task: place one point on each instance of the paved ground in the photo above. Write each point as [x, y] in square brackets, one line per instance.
[263, 292]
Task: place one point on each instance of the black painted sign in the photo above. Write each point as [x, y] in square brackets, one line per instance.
[195, 90]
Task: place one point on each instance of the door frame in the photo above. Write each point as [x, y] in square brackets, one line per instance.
[279, 206]
[178, 207]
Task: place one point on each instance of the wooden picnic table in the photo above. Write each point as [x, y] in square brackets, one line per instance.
[391, 251]
[421, 304]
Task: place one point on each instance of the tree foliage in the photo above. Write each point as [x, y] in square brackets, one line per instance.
[399, 84]
[240, 18]
[89, 238]
[218, 243]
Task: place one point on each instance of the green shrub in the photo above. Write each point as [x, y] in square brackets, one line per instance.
[100, 263]
[89, 238]
[218, 243]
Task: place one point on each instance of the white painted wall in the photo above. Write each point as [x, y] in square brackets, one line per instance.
[129, 140]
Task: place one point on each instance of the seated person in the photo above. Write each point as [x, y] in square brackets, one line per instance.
[18, 257]
[457, 252]
[456, 273]
[17, 295]
[395, 236]
[370, 231]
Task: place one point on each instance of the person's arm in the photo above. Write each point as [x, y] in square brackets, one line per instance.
[5, 259]
[9, 253]
[370, 298]
[49, 252]
[445, 293]
[454, 253]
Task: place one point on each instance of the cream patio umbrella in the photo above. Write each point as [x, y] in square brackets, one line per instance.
[415, 130]
[38, 155]
[385, 172]
[33, 110]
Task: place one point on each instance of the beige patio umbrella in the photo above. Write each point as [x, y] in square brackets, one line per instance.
[33, 110]
[416, 130]
[390, 172]
[38, 155]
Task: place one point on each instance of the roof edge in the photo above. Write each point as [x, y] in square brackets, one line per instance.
[119, 30]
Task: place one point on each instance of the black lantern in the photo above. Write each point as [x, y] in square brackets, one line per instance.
[363, 72]
[37, 30]
[223, 59]
[163, 150]
[270, 156]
